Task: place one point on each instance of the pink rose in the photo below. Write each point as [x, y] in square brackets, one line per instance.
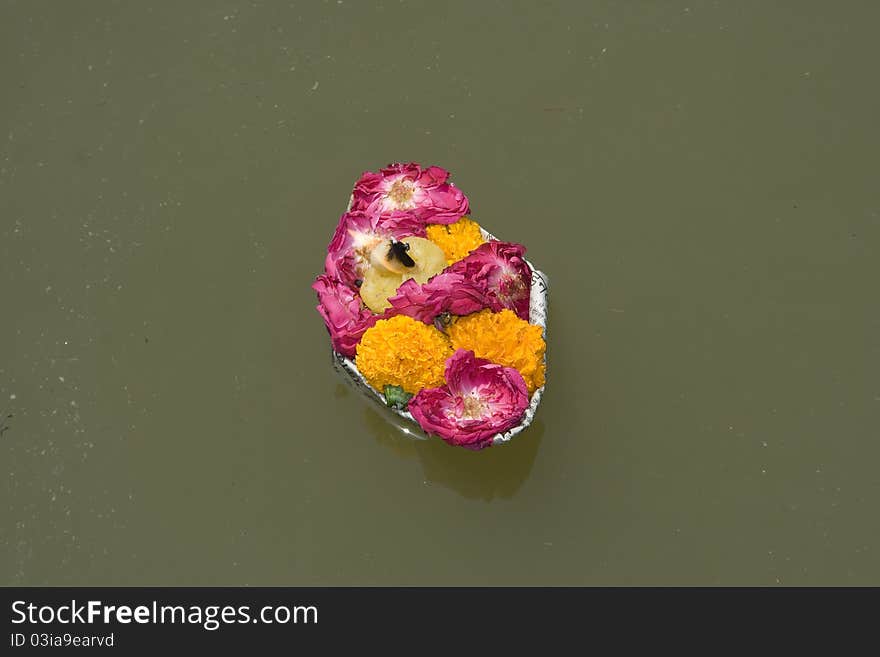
[447, 292]
[479, 400]
[408, 187]
[494, 275]
[499, 271]
[357, 233]
[344, 315]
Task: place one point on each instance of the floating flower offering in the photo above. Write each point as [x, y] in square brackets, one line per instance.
[432, 315]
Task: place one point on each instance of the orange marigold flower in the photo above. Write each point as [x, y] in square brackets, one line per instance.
[505, 339]
[402, 351]
[456, 240]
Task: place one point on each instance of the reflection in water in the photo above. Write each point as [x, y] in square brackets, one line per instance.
[490, 473]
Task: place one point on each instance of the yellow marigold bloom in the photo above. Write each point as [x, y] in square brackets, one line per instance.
[404, 352]
[456, 240]
[505, 339]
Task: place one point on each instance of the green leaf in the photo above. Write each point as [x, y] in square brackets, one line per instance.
[396, 397]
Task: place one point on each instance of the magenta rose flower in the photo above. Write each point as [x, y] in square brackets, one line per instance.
[494, 275]
[447, 292]
[500, 272]
[344, 315]
[357, 233]
[426, 193]
[479, 400]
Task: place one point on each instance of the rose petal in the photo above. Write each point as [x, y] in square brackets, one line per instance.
[344, 315]
[480, 399]
[425, 193]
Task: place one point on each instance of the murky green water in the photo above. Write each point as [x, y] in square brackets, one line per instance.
[698, 179]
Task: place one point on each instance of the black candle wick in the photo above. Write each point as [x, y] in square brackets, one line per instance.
[399, 250]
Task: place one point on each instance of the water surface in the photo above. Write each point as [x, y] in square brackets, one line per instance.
[698, 179]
